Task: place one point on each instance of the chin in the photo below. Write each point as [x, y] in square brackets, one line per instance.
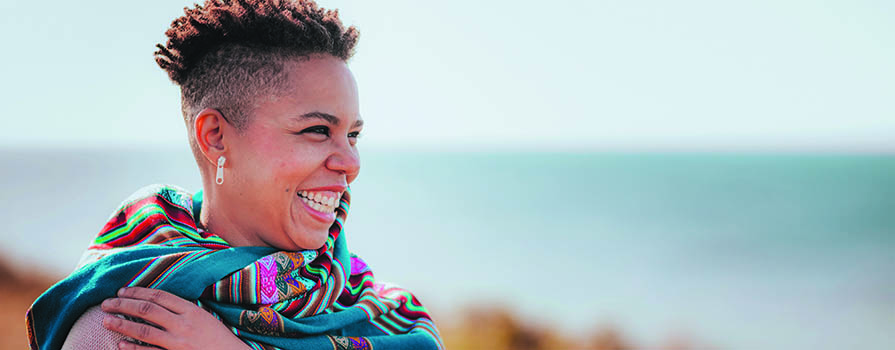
[311, 240]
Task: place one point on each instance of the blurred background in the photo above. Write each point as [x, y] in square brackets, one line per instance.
[564, 175]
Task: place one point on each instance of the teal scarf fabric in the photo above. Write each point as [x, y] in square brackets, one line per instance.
[311, 299]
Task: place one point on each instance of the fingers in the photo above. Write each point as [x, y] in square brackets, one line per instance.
[141, 309]
[139, 331]
[167, 300]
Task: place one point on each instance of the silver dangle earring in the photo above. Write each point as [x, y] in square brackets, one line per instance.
[219, 179]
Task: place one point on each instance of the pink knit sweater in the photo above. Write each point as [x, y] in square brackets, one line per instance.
[88, 333]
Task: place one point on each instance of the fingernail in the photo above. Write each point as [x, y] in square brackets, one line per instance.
[121, 291]
[106, 303]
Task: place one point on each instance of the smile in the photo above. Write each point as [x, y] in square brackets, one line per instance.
[324, 202]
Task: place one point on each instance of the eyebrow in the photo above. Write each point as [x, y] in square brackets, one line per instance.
[329, 118]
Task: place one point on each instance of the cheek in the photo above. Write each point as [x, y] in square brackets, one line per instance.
[269, 165]
[286, 165]
[283, 171]
[291, 169]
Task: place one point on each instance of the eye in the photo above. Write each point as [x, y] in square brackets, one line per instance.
[319, 129]
[353, 136]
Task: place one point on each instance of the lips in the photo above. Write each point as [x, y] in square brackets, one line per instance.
[321, 202]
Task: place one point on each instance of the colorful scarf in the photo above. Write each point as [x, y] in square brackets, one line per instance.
[310, 299]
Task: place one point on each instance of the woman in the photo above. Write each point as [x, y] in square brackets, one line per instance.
[259, 259]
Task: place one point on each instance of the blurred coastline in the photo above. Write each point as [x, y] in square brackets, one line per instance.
[564, 175]
[551, 250]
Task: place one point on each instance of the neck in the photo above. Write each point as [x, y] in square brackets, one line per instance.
[215, 219]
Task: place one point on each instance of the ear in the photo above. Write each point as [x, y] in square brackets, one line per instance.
[210, 127]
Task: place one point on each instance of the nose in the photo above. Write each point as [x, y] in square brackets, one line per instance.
[345, 160]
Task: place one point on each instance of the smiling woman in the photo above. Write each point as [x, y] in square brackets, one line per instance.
[259, 258]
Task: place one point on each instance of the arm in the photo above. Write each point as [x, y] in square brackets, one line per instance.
[181, 325]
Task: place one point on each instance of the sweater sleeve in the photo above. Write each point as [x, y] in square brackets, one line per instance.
[88, 333]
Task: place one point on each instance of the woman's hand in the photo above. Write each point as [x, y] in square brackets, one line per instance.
[177, 324]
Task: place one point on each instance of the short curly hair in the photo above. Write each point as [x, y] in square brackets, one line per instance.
[226, 54]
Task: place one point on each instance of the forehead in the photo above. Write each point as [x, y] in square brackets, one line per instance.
[316, 84]
[319, 77]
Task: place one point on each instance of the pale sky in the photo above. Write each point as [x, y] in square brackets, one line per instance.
[445, 75]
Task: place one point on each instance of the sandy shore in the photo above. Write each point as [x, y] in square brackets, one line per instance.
[18, 290]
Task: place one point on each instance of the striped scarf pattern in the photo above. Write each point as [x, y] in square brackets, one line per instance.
[278, 299]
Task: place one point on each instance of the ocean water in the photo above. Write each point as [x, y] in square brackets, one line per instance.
[739, 251]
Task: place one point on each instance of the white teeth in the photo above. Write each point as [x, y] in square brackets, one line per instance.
[321, 202]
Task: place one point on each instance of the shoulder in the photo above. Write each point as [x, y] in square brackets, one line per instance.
[170, 193]
[153, 194]
[88, 333]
